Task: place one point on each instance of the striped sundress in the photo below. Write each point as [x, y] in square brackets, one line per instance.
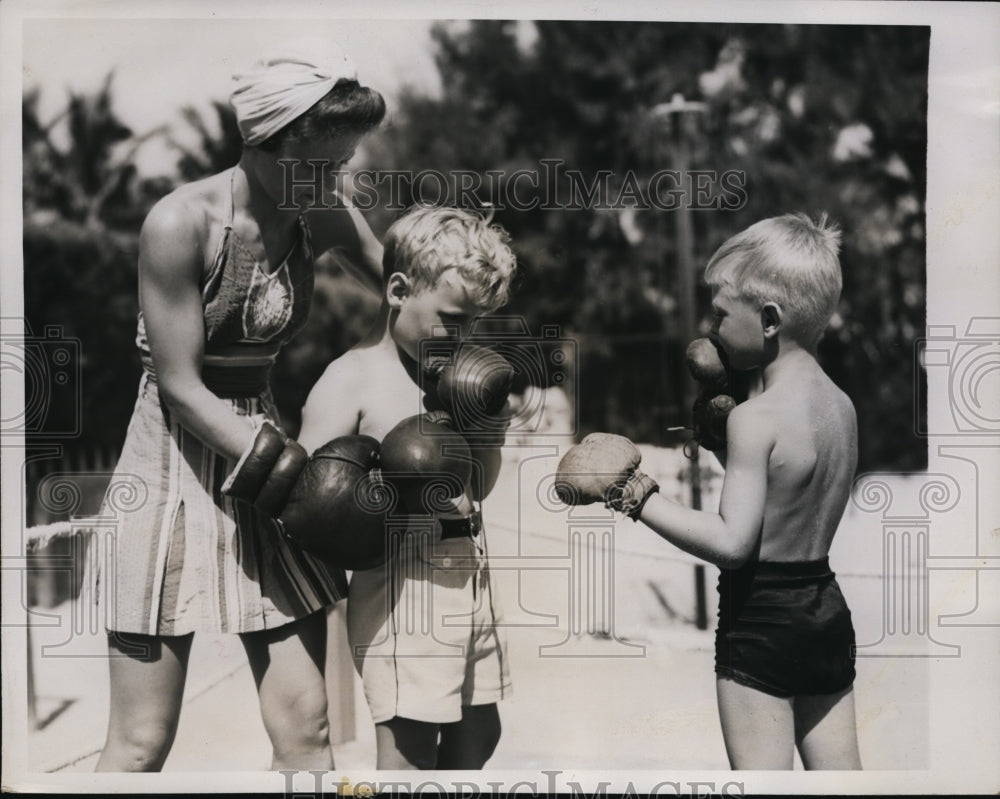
[188, 558]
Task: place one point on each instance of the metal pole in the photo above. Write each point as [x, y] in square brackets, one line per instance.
[686, 293]
[680, 113]
[700, 598]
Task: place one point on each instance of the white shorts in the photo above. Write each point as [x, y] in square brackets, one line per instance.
[426, 630]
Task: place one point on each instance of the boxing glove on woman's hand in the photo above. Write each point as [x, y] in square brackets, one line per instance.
[267, 470]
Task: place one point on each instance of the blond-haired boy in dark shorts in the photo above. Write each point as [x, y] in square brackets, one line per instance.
[785, 641]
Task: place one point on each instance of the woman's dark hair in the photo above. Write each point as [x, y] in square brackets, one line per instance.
[347, 108]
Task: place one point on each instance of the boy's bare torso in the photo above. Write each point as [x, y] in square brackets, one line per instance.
[386, 394]
[811, 465]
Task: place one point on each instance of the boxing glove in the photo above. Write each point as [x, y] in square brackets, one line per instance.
[337, 508]
[472, 384]
[706, 365]
[709, 417]
[427, 461]
[267, 470]
[604, 468]
[722, 389]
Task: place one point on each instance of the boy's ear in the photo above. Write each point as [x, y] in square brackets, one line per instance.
[770, 319]
[397, 289]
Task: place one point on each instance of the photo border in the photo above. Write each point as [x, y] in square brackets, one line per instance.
[963, 284]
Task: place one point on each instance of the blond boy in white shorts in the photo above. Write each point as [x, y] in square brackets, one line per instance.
[425, 628]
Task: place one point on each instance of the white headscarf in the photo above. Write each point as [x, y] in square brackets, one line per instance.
[285, 83]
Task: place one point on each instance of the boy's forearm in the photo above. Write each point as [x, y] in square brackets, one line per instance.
[699, 533]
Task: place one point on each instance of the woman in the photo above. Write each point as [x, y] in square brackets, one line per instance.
[225, 278]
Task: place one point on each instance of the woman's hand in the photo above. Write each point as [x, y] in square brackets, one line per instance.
[342, 234]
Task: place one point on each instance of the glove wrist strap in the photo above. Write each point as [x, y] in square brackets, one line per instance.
[634, 493]
[266, 442]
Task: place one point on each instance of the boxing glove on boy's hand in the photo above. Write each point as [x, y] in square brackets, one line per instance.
[604, 468]
[709, 417]
[721, 390]
[337, 508]
[472, 383]
[267, 470]
[427, 462]
[706, 365]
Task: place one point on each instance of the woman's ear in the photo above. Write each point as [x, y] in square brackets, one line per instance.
[397, 289]
[770, 319]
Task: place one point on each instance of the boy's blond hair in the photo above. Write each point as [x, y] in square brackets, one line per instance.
[427, 241]
[789, 260]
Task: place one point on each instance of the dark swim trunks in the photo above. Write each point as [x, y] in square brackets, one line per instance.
[784, 629]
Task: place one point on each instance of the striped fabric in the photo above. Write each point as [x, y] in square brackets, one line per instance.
[188, 558]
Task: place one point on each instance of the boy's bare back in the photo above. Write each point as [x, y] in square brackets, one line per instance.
[811, 464]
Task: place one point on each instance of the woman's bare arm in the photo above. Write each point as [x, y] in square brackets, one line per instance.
[170, 270]
[343, 235]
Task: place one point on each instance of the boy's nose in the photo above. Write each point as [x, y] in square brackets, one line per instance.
[449, 332]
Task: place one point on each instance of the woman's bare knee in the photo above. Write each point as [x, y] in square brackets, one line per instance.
[287, 665]
[147, 685]
[297, 722]
[138, 747]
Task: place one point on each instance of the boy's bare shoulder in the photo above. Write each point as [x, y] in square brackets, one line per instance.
[348, 372]
[842, 398]
[816, 404]
[757, 408]
[824, 392]
[755, 419]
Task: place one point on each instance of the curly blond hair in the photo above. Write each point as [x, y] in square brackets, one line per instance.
[427, 241]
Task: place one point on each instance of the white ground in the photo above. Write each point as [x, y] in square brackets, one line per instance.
[637, 692]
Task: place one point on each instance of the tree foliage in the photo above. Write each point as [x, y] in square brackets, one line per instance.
[83, 205]
[816, 118]
[813, 118]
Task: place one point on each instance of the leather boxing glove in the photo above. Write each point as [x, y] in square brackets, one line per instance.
[722, 389]
[709, 420]
[267, 470]
[337, 508]
[604, 468]
[472, 383]
[427, 461]
[706, 365]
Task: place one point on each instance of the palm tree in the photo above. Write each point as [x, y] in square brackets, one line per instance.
[79, 181]
[215, 151]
